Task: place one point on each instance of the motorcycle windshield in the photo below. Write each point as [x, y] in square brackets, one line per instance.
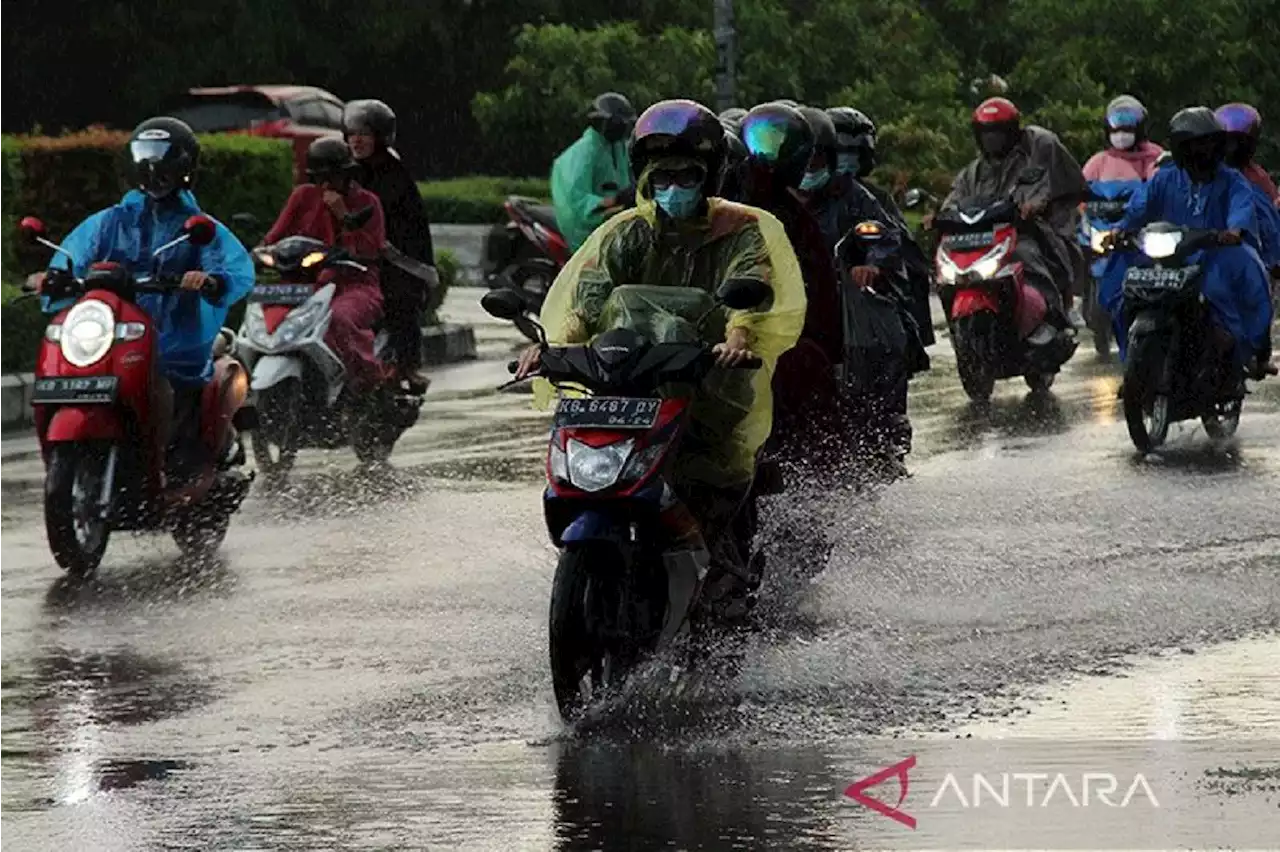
[663, 314]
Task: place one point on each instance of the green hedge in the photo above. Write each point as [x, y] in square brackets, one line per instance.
[476, 200]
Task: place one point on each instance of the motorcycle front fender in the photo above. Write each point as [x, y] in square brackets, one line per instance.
[593, 526]
[85, 423]
[271, 370]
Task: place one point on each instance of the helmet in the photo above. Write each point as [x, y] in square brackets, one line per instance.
[733, 115]
[735, 148]
[778, 140]
[613, 115]
[735, 156]
[1242, 125]
[329, 156]
[680, 128]
[373, 117]
[163, 155]
[855, 133]
[1126, 113]
[1196, 138]
[996, 123]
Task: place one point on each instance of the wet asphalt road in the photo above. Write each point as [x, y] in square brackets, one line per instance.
[364, 664]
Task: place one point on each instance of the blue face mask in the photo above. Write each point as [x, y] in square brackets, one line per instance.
[678, 202]
[815, 180]
[848, 164]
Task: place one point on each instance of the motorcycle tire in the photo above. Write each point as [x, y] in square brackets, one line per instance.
[78, 552]
[977, 375]
[582, 668]
[275, 442]
[1148, 425]
[1223, 426]
[1040, 382]
[199, 535]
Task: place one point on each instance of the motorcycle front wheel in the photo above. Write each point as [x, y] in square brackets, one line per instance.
[73, 516]
[584, 665]
[275, 442]
[1221, 425]
[975, 362]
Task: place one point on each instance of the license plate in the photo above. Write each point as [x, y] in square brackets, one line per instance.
[94, 389]
[608, 412]
[1104, 209]
[281, 294]
[969, 242]
[1157, 278]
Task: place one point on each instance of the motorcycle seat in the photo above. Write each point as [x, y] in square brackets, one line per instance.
[545, 215]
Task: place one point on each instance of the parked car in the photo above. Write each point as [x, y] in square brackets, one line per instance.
[299, 113]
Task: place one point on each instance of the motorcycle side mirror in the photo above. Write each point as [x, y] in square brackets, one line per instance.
[505, 304]
[358, 219]
[200, 230]
[913, 197]
[743, 294]
[31, 230]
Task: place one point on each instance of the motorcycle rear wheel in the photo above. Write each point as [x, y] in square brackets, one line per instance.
[71, 490]
[582, 667]
[275, 442]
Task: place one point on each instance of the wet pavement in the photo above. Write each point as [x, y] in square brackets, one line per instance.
[364, 663]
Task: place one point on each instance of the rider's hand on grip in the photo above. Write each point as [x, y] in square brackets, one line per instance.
[1229, 238]
[35, 282]
[527, 365]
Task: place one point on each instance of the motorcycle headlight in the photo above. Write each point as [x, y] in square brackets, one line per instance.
[947, 270]
[1160, 244]
[297, 323]
[596, 468]
[1095, 239]
[88, 332]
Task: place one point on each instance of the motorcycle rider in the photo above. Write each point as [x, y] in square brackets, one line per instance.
[1199, 191]
[318, 209]
[881, 414]
[855, 159]
[1130, 157]
[163, 156]
[1243, 125]
[681, 235]
[1030, 166]
[592, 177]
[370, 130]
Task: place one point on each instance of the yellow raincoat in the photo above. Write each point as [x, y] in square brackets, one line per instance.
[634, 252]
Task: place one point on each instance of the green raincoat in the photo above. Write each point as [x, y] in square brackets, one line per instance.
[658, 279]
[580, 180]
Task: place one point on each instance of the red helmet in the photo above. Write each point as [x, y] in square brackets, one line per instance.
[997, 111]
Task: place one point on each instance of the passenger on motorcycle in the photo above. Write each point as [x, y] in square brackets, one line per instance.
[370, 128]
[592, 177]
[735, 162]
[1199, 191]
[680, 235]
[1243, 125]
[1031, 167]
[318, 210]
[808, 409]
[855, 159]
[163, 155]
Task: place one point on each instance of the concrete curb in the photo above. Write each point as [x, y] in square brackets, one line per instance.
[448, 343]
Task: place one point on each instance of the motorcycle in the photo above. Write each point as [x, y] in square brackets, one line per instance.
[96, 397]
[1102, 209]
[299, 384]
[632, 563]
[524, 255]
[1171, 373]
[996, 319]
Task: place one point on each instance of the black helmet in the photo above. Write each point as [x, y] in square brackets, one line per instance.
[734, 116]
[1196, 138]
[163, 156]
[613, 115]
[735, 148]
[679, 128]
[855, 133]
[779, 141]
[329, 156]
[824, 134]
[373, 117]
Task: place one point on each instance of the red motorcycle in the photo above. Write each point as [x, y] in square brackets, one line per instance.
[996, 318]
[97, 399]
[525, 254]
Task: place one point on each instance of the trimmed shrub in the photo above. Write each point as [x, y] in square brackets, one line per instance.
[477, 200]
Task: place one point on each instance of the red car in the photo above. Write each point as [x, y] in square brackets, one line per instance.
[300, 113]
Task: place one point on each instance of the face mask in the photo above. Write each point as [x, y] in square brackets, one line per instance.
[678, 202]
[814, 180]
[847, 164]
[993, 142]
[1123, 141]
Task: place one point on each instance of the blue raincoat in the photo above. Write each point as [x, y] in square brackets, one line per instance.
[1235, 282]
[1268, 226]
[188, 323]
[1109, 190]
